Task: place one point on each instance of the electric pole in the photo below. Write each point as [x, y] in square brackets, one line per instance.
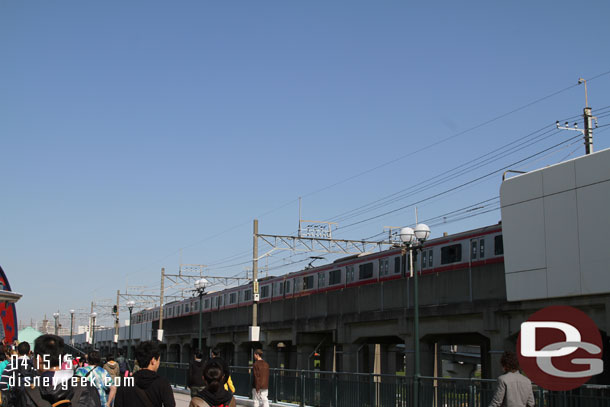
[160, 331]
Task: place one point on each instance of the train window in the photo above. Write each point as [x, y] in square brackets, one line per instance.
[334, 277]
[481, 248]
[287, 286]
[206, 303]
[430, 263]
[424, 260]
[365, 271]
[499, 245]
[384, 267]
[307, 282]
[195, 306]
[397, 265]
[451, 254]
[221, 301]
[473, 248]
[232, 298]
[321, 278]
[248, 295]
[265, 291]
[281, 287]
[349, 274]
[186, 308]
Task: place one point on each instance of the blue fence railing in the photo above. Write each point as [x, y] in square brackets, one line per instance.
[338, 389]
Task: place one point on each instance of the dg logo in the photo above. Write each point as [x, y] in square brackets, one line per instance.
[560, 348]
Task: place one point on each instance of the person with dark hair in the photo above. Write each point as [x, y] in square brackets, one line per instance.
[513, 389]
[214, 393]
[150, 389]
[228, 384]
[195, 374]
[99, 378]
[13, 377]
[55, 385]
[123, 366]
[260, 376]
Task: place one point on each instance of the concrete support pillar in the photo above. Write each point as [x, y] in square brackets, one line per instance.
[426, 358]
[304, 351]
[349, 357]
[270, 355]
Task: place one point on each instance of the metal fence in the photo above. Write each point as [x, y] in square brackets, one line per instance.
[328, 389]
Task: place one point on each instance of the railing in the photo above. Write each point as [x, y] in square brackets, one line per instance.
[328, 389]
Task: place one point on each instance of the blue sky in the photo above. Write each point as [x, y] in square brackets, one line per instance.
[133, 130]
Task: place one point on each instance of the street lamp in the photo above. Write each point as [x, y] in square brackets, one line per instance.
[130, 305]
[56, 316]
[71, 327]
[93, 316]
[414, 239]
[200, 289]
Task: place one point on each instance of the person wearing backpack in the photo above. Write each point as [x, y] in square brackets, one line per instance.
[53, 386]
[149, 389]
[99, 378]
[214, 393]
[14, 376]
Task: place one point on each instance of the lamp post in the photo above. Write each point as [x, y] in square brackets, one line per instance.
[72, 327]
[130, 305]
[200, 289]
[56, 316]
[414, 239]
[93, 316]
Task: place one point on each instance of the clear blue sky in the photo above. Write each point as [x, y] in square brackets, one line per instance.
[133, 129]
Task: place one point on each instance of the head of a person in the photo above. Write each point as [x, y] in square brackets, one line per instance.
[509, 361]
[23, 348]
[216, 352]
[213, 375]
[95, 358]
[258, 354]
[148, 355]
[48, 350]
[198, 355]
[110, 358]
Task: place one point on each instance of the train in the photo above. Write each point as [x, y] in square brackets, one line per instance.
[472, 248]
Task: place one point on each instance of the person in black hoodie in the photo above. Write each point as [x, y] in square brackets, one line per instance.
[195, 376]
[55, 385]
[214, 393]
[150, 389]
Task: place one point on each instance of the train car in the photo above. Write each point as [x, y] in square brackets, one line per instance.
[473, 248]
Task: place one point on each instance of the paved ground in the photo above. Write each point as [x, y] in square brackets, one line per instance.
[182, 400]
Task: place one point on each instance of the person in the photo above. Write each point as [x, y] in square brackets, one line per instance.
[260, 376]
[123, 366]
[195, 374]
[514, 389]
[112, 368]
[213, 394]
[228, 384]
[99, 378]
[150, 389]
[55, 385]
[15, 374]
[136, 367]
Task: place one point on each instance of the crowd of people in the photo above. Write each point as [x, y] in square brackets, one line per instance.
[47, 377]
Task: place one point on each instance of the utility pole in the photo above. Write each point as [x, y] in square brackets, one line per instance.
[116, 323]
[160, 331]
[255, 329]
[588, 121]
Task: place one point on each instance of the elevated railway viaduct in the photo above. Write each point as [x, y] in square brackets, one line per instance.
[340, 329]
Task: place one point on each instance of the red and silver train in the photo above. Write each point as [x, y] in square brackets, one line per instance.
[467, 249]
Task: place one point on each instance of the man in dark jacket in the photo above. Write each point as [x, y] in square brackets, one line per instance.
[53, 384]
[195, 376]
[150, 389]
